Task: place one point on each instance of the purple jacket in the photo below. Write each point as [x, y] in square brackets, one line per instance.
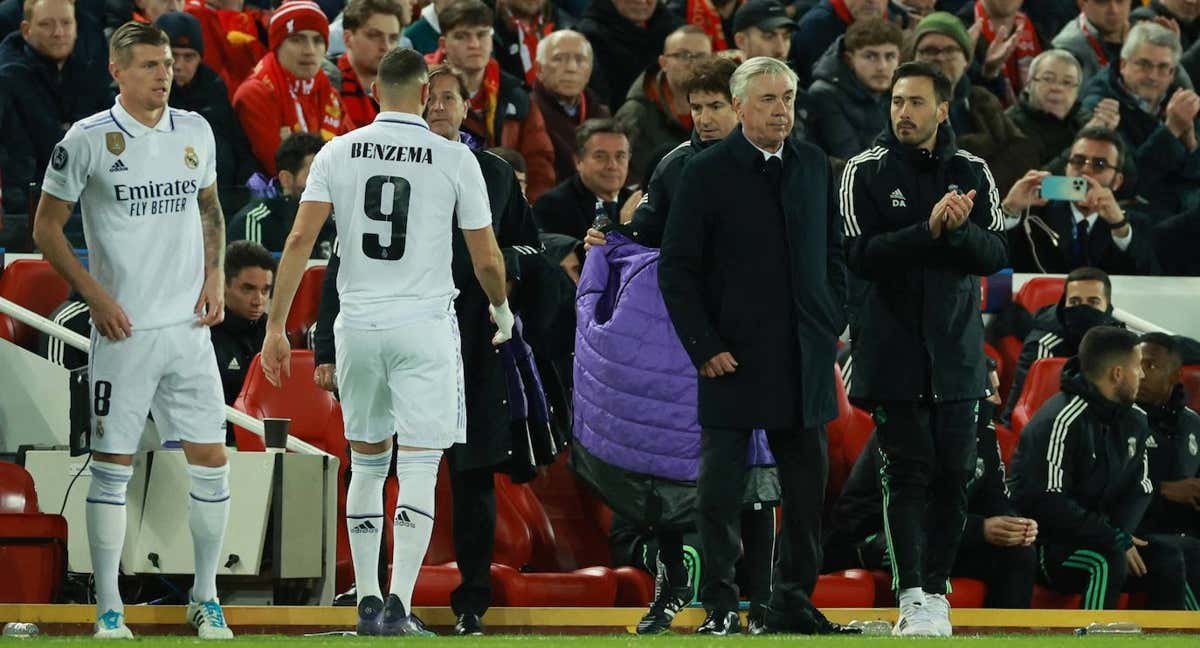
[635, 387]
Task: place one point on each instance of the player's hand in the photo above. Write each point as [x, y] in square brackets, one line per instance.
[1133, 559]
[1183, 491]
[325, 377]
[211, 305]
[719, 365]
[110, 319]
[958, 209]
[504, 319]
[630, 206]
[1006, 531]
[276, 357]
[593, 238]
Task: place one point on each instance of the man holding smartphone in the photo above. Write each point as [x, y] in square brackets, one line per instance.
[1054, 229]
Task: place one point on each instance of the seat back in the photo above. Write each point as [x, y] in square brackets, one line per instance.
[34, 284]
[847, 434]
[1044, 380]
[1191, 385]
[579, 521]
[316, 416]
[1040, 292]
[305, 306]
[17, 493]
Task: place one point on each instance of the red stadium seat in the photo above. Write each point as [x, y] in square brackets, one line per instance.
[578, 520]
[1043, 381]
[1191, 385]
[34, 284]
[847, 434]
[589, 587]
[316, 415]
[17, 494]
[965, 592]
[1010, 353]
[1040, 292]
[436, 582]
[635, 588]
[853, 588]
[1007, 440]
[33, 545]
[305, 306]
[1045, 598]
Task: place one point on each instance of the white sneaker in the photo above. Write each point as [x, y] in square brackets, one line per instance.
[937, 607]
[208, 620]
[111, 625]
[914, 621]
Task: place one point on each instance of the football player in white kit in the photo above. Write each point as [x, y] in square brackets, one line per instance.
[396, 190]
[145, 177]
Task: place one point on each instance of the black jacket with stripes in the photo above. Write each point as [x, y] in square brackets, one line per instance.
[1174, 453]
[919, 333]
[1081, 468]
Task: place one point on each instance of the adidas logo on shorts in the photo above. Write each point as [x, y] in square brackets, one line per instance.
[117, 166]
[403, 520]
[365, 527]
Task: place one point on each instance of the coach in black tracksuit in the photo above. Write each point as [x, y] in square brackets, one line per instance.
[1081, 471]
[993, 544]
[919, 365]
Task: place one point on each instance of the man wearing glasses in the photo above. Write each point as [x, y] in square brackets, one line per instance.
[371, 28]
[1158, 117]
[1059, 236]
[657, 108]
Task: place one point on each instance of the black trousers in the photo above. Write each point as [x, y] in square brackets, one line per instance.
[753, 571]
[1101, 574]
[1189, 548]
[803, 464]
[928, 455]
[474, 537]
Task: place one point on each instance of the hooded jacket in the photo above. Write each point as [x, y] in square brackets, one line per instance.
[817, 30]
[844, 115]
[1081, 468]
[622, 49]
[919, 334]
[1057, 331]
[1077, 37]
[650, 217]
[1174, 453]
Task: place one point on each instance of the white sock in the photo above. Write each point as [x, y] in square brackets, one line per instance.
[364, 518]
[417, 471]
[208, 513]
[912, 596]
[105, 513]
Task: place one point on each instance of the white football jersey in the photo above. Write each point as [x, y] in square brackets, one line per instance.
[137, 187]
[396, 188]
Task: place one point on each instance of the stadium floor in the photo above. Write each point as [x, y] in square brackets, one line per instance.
[663, 641]
[273, 625]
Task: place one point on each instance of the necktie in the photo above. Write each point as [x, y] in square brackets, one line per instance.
[1082, 254]
[774, 170]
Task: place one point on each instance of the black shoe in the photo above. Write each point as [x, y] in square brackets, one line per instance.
[756, 620]
[719, 624]
[370, 612]
[396, 621]
[469, 625]
[823, 626]
[666, 605]
[349, 598]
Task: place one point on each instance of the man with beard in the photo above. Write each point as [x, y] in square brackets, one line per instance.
[1057, 329]
[1174, 454]
[922, 222]
[1096, 34]
[1081, 471]
[1060, 236]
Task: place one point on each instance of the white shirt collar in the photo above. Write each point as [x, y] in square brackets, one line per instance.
[1079, 216]
[395, 117]
[429, 13]
[135, 128]
[767, 155]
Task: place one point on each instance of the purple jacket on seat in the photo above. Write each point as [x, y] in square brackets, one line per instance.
[635, 387]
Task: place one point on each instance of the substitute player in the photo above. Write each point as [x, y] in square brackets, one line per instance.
[397, 189]
[145, 177]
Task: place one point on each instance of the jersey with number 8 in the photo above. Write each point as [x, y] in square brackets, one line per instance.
[396, 189]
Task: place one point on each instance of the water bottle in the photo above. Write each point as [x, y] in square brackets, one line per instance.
[1117, 628]
[18, 630]
[601, 222]
[875, 627]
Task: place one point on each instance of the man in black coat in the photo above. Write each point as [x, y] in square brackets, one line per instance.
[754, 280]
[626, 37]
[922, 221]
[489, 445]
[602, 155]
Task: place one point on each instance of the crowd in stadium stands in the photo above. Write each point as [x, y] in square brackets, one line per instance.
[588, 104]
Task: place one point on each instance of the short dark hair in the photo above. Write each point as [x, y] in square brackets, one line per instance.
[292, 151]
[872, 32]
[712, 76]
[444, 69]
[1104, 346]
[514, 158]
[1101, 134]
[247, 254]
[942, 88]
[402, 66]
[596, 127]
[358, 12]
[1088, 273]
[131, 34]
[465, 13]
[1168, 342]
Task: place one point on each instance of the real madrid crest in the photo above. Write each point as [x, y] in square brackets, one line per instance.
[1132, 447]
[979, 467]
[115, 142]
[190, 158]
[1193, 447]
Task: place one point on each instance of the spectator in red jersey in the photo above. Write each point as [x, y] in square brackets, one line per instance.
[370, 29]
[288, 91]
[234, 34]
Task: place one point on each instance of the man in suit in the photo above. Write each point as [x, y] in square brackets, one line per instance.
[923, 222]
[754, 279]
[598, 187]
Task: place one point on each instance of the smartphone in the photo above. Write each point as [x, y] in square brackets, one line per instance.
[1064, 188]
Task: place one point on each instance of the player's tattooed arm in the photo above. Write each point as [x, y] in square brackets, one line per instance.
[212, 219]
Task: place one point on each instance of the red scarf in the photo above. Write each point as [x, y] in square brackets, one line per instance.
[1101, 57]
[703, 14]
[529, 34]
[842, 11]
[659, 91]
[305, 106]
[360, 106]
[1016, 68]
